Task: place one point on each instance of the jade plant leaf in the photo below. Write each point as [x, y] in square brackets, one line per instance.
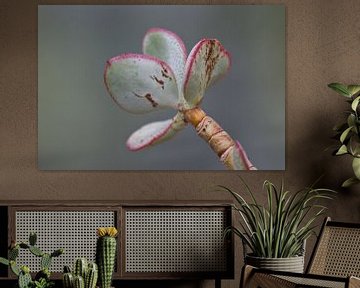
[141, 83]
[207, 62]
[168, 47]
[155, 132]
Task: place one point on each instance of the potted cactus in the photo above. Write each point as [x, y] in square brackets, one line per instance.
[84, 275]
[42, 278]
[106, 254]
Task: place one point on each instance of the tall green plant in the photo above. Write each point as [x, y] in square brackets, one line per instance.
[279, 229]
[348, 132]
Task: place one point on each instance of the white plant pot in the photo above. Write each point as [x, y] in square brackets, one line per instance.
[291, 264]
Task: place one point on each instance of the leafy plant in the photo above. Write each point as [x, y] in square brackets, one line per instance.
[42, 278]
[279, 229]
[349, 132]
[43, 283]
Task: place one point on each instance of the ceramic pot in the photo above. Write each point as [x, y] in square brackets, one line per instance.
[291, 264]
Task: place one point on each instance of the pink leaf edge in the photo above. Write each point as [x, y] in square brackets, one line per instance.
[165, 31]
[147, 143]
[194, 52]
[129, 56]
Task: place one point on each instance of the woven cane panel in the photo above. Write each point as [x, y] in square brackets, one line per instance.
[338, 253]
[74, 231]
[175, 241]
[305, 282]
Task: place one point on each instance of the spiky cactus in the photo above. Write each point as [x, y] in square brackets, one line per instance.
[68, 280]
[84, 274]
[91, 275]
[80, 267]
[42, 278]
[24, 280]
[106, 254]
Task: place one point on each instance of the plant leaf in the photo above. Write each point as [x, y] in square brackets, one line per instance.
[353, 89]
[354, 145]
[155, 132]
[356, 167]
[208, 61]
[342, 150]
[340, 88]
[345, 134]
[355, 103]
[351, 121]
[4, 261]
[141, 83]
[349, 182]
[169, 47]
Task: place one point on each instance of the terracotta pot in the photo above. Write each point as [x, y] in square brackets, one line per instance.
[291, 264]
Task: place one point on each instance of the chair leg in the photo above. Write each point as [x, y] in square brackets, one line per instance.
[217, 283]
[246, 273]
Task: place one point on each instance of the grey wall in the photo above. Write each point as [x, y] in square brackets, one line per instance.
[322, 46]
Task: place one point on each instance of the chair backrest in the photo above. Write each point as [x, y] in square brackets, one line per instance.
[337, 251]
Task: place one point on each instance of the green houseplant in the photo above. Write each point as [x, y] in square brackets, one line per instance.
[275, 233]
[42, 278]
[348, 133]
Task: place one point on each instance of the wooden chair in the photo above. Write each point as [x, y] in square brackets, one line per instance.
[335, 262]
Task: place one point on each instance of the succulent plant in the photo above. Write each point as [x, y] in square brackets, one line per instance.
[42, 278]
[166, 77]
[349, 132]
[106, 254]
[79, 282]
[85, 275]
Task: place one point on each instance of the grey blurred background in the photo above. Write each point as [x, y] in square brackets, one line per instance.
[80, 127]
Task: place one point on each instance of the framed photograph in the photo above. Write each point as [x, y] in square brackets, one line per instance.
[117, 83]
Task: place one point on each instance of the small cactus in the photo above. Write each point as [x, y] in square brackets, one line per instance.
[45, 261]
[68, 280]
[24, 277]
[79, 282]
[14, 268]
[32, 238]
[13, 253]
[42, 278]
[36, 251]
[57, 253]
[80, 267]
[91, 276]
[83, 274]
[106, 254]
